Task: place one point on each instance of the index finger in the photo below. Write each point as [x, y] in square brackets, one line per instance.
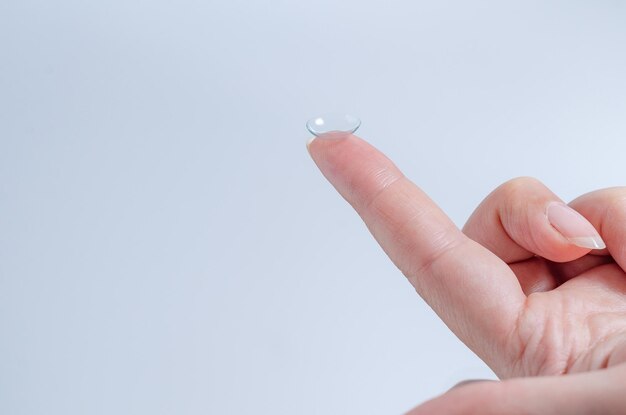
[473, 291]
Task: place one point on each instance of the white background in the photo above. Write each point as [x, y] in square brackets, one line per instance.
[168, 247]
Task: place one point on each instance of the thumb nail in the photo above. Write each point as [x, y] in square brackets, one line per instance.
[574, 227]
[468, 381]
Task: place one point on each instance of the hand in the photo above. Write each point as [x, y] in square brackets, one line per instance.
[520, 285]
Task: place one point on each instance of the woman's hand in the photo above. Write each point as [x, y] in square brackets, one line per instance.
[520, 285]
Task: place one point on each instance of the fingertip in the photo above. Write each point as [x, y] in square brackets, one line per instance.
[523, 218]
[308, 143]
[588, 242]
[326, 148]
[573, 226]
[548, 243]
[356, 169]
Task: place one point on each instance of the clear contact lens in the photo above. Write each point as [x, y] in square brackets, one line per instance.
[339, 124]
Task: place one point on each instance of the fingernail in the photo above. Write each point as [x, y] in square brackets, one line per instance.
[309, 141]
[574, 227]
[467, 382]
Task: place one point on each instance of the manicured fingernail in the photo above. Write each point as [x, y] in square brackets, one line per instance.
[574, 227]
[467, 382]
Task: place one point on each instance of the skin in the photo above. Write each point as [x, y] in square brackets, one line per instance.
[547, 316]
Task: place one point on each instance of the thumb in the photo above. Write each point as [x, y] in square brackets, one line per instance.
[599, 392]
[523, 218]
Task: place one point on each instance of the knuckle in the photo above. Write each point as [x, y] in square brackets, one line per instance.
[604, 197]
[616, 205]
[445, 245]
[614, 220]
[384, 181]
[617, 196]
[506, 205]
[518, 202]
[519, 186]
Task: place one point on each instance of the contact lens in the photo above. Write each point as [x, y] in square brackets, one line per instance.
[336, 124]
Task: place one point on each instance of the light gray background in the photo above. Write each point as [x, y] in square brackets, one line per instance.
[166, 244]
